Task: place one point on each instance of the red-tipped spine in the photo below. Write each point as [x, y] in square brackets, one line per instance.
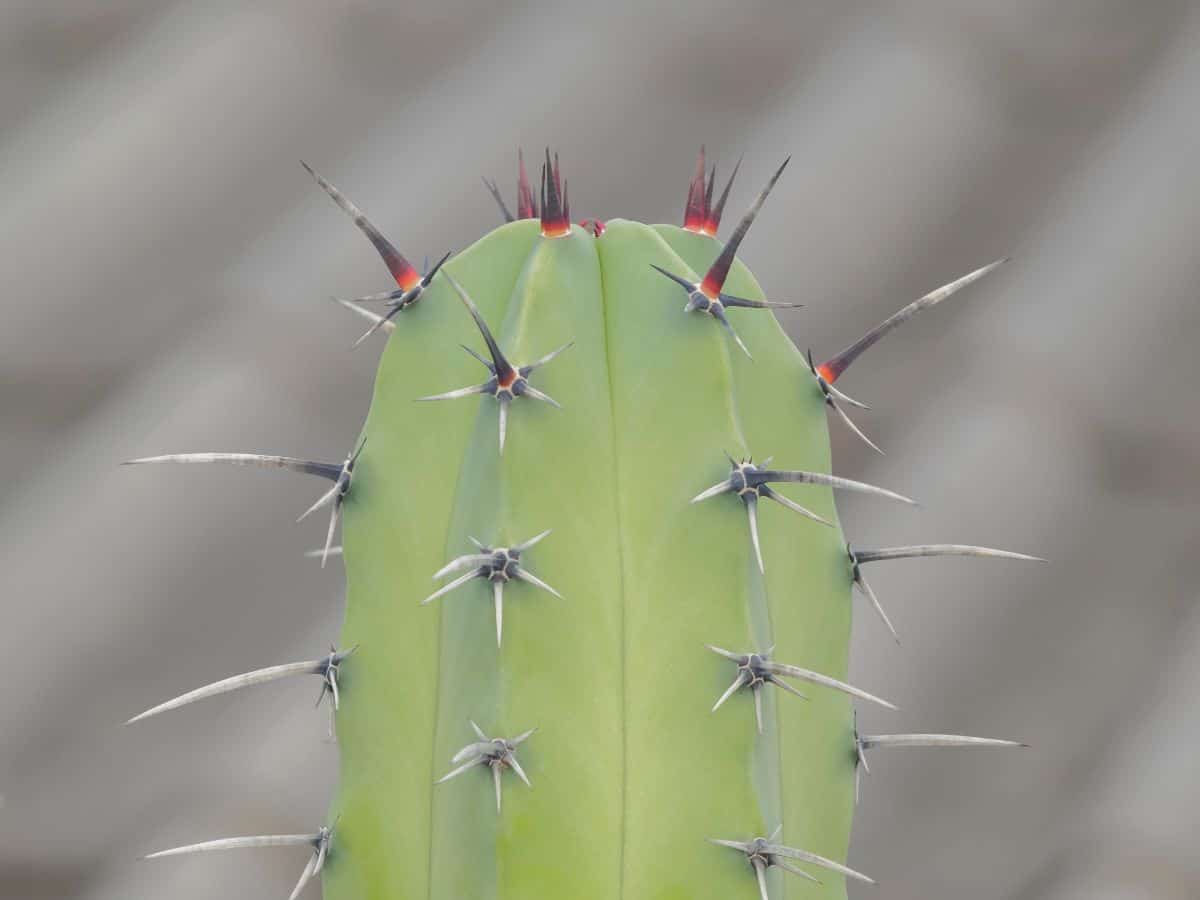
[833, 368]
[714, 279]
[700, 215]
[713, 220]
[829, 373]
[695, 214]
[402, 270]
[526, 203]
[556, 214]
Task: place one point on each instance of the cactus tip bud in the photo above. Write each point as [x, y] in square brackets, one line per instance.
[700, 215]
[556, 210]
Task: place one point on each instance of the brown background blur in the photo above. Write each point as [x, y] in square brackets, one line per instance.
[164, 269]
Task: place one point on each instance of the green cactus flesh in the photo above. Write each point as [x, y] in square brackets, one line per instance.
[631, 772]
[618, 773]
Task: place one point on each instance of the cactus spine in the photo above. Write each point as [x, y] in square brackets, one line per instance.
[609, 752]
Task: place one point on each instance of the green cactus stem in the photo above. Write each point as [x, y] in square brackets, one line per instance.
[600, 643]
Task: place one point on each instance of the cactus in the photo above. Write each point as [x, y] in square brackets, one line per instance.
[624, 713]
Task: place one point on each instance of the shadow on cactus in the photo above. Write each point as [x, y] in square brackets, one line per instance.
[630, 782]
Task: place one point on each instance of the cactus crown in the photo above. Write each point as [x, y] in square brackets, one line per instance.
[608, 753]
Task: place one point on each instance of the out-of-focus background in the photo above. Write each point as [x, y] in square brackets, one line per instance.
[164, 272]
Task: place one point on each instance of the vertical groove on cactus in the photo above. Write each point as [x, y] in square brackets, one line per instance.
[577, 647]
[623, 584]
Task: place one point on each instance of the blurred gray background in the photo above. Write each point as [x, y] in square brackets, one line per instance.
[165, 269]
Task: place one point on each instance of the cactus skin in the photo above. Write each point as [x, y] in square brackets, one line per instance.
[631, 772]
[612, 678]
